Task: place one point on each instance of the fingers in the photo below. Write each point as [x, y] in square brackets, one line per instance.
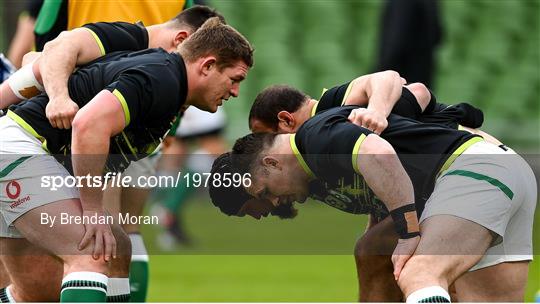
[61, 115]
[110, 246]
[98, 245]
[88, 235]
[399, 261]
[368, 119]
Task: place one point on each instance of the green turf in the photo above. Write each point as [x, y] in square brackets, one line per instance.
[319, 268]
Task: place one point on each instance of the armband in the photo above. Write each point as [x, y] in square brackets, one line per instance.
[405, 221]
[24, 84]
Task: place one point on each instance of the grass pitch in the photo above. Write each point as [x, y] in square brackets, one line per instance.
[308, 259]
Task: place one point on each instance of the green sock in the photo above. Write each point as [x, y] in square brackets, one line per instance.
[138, 280]
[138, 269]
[84, 287]
[177, 196]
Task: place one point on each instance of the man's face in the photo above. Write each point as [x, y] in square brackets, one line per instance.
[221, 84]
[273, 187]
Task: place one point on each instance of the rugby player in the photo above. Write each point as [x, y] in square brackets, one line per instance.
[81, 46]
[426, 275]
[287, 114]
[136, 97]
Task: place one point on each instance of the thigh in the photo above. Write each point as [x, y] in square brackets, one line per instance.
[35, 274]
[4, 276]
[448, 248]
[60, 238]
[373, 264]
[480, 285]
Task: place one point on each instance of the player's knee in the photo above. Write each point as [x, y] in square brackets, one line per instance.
[422, 271]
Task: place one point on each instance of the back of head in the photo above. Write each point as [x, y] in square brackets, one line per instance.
[194, 17]
[228, 199]
[219, 40]
[273, 100]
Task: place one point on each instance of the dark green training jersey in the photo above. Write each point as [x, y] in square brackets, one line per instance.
[327, 146]
[448, 115]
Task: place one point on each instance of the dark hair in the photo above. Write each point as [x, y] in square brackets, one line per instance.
[273, 100]
[220, 40]
[195, 17]
[228, 199]
[241, 160]
[247, 149]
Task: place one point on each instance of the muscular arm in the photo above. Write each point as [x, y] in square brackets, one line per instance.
[58, 60]
[381, 168]
[90, 148]
[61, 55]
[379, 91]
[91, 140]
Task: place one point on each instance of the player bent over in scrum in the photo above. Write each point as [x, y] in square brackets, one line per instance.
[449, 142]
[126, 92]
[82, 45]
[286, 113]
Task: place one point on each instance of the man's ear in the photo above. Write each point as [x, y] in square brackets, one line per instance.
[272, 162]
[207, 64]
[180, 37]
[286, 121]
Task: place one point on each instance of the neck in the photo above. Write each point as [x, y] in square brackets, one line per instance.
[282, 147]
[160, 36]
[191, 75]
[305, 112]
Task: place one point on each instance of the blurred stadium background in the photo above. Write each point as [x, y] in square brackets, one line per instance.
[490, 57]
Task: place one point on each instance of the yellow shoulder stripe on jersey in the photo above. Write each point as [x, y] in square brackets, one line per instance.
[347, 92]
[301, 160]
[458, 152]
[124, 105]
[28, 128]
[314, 109]
[355, 152]
[98, 41]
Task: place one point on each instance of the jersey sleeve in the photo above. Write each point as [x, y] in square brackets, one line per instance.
[118, 36]
[147, 92]
[332, 98]
[333, 145]
[407, 105]
[453, 115]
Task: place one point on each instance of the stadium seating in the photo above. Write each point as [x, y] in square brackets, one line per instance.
[490, 55]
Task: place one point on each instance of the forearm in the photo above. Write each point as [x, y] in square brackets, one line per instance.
[90, 147]
[380, 91]
[384, 90]
[56, 65]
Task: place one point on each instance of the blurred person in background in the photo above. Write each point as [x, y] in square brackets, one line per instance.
[410, 34]
[189, 148]
[23, 41]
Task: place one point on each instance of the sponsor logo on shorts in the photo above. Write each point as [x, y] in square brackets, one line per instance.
[13, 190]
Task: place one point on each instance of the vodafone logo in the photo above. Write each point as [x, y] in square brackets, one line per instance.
[13, 189]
